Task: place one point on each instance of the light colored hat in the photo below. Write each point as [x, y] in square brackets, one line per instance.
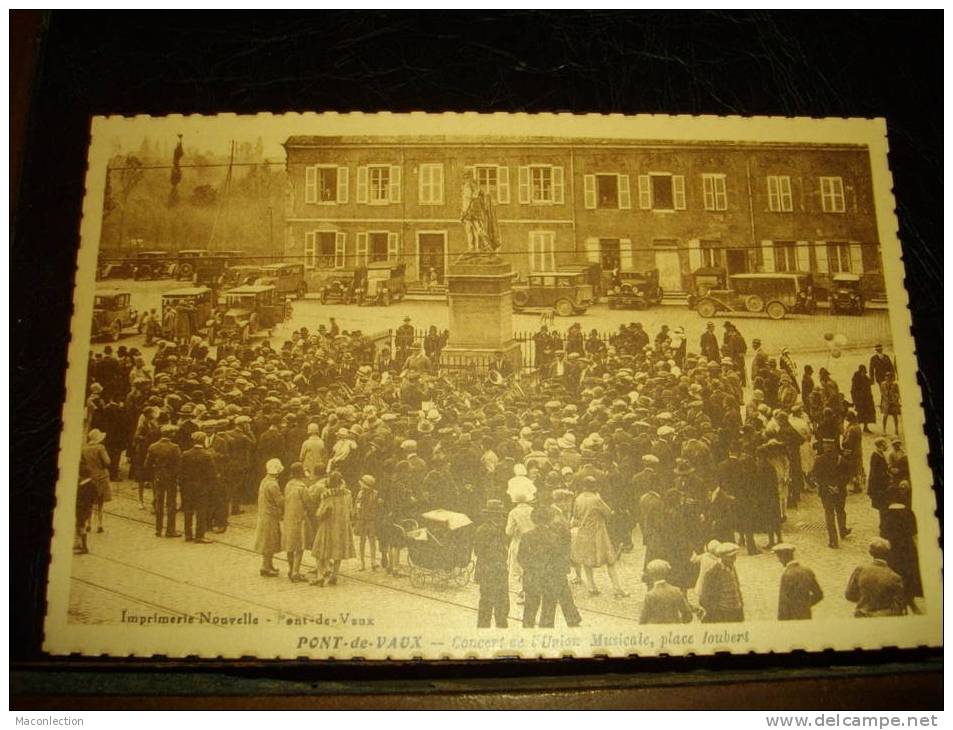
[274, 467]
[313, 428]
[649, 459]
[727, 548]
[566, 441]
[521, 489]
[96, 436]
[519, 470]
[783, 547]
[665, 431]
[658, 568]
[409, 445]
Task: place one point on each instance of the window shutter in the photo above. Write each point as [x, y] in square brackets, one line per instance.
[678, 191]
[589, 191]
[362, 184]
[856, 259]
[625, 254]
[803, 256]
[774, 198]
[820, 256]
[309, 249]
[625, 198]
[437, 182]
[361, 250]
[767, 256]
[592, 249]
[645, 192]
[339, 250]
[503, 184]
[708, 191]
[558, 196]
[424, 194]
[394, 195]
[393, 247]
[524, 185]
[721, 193]
[311, 184]
[784, 193]
[342, 184]
[694, 254]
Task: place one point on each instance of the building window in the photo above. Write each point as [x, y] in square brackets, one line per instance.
[838, 258]
[324, 250]
[661, 191]
[609, 253]
[325, 184]
[541, 185]
[542, 255]
[378, 184]
[785, 256]
[606, 191]
[832, 194]
[711, 254]
[494, 181]
[714, 192]
[431, 184]
[779, 194]
[377, 246]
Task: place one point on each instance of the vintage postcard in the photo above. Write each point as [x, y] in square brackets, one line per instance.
[474, 386]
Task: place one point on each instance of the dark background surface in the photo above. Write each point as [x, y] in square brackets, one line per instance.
[66, 67]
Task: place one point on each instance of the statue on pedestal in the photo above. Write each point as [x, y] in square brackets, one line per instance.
[479, 224]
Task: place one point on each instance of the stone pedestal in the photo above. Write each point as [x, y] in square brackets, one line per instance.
[479, 291]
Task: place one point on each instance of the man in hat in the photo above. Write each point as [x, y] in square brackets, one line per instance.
[720, 595]
[878, 477]
[735, 347]
[501, 366]
[490, 546]
[163, 461]
[664, 603]
[708, 344]
[312, 454]
[404, 341]
[196, 477]
[537, 557]
[759, 362]
[880, 366]
[830, 476]
[875, 588]
[799, 590]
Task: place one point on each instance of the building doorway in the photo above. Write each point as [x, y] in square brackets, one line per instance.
[669, 270]
[432, 255]
[736, 261]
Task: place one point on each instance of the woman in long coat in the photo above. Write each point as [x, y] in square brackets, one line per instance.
[591, 546]
[678, 528]
[296, 522]
[863, 398]
[334, 540]
[147, 433]
[95, 464]
[900, 529]
[270, 508]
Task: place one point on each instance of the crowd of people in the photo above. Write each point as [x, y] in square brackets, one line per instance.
[697, 452]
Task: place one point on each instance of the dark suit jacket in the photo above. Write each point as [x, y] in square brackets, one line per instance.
[197, 475]
[876, 590]
[665, 604]
[799, 592]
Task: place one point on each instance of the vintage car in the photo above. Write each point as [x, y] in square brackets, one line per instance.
[242, 275]
[154, 265]
[187, 261]
[384, 283]
[112, 313]
[344, 286]
[846, 296]
[210, 270]
[249, 310]
[286, 278]
[772, 294]
[565, 292]
[115, 268]
[199, 298]
[635, 290]
[594, 276]
[705, 279]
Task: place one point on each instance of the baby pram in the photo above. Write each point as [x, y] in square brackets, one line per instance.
[439, 549]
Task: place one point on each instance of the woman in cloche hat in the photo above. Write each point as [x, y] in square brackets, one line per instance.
[94, 463]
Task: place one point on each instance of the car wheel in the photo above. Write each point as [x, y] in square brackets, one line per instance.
[564, 308]
[520, 298]
[185, 271]
[706, 308]
[776, 310]
[754, 303]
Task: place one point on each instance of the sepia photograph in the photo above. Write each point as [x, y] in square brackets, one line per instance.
[397, 386]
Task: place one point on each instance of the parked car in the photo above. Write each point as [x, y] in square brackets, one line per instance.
[594, 276]
[344, 286]
[635, 290]
[845, 295]
[210, 270]
[187, 261]
[201, 299]
[112, 313]
[242, 275]
[116, 268]
[566, 292]
[771, 294]
[154, 265]
[286, 278]
[384, 284]
[249, 310]
[704, 279]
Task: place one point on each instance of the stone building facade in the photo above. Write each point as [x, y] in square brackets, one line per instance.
[675, 207]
